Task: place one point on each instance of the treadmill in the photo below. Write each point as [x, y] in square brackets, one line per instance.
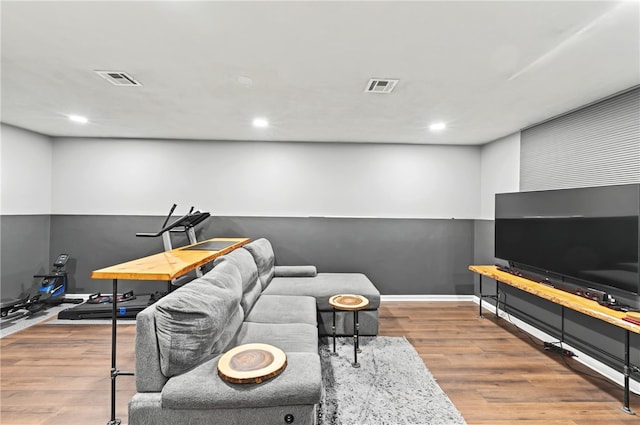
[129, 305]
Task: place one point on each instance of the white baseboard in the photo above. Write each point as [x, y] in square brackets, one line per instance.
[585, 359]
[427, 297]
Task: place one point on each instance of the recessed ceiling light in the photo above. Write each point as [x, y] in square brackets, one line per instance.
[437, 126]
[79, 119]
[245, 81]
[260, 122]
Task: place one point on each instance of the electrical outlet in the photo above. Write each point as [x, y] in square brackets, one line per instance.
[563, 351]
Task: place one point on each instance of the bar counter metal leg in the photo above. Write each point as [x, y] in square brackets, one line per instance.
[114, 371]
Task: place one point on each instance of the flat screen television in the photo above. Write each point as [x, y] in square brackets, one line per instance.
[585, 238]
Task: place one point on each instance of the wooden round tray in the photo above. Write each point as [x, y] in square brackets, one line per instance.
[348, 302]
[251, 363]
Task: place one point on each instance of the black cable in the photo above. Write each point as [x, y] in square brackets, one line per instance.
[527, 334]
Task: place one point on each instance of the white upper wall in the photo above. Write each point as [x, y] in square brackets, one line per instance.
[145, 177]
[500, 172]
[25, 172]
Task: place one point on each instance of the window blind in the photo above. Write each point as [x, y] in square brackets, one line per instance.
[597, 145]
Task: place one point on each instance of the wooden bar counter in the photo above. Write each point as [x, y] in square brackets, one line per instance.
[168, 265]
[165, 266]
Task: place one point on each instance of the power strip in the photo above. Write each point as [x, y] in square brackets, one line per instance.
[549, 346]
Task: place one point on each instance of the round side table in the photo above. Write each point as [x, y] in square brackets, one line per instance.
[349, 302]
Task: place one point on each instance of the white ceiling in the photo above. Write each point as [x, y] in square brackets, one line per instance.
[207, 68]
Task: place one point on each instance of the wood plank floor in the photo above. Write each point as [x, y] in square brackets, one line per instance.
[494, 374]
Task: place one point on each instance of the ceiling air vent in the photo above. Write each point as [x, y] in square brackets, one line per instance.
[380, 85]
[118, 78]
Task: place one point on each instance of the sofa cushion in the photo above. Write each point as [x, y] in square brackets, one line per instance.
[295, 271]
[265, 259]
[251, 286]
[289, 337]
[196, 320]
[284, 309]
[202, 388]
[324, 286]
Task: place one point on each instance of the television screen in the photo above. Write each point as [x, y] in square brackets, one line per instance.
[601, 250]
[582, 236]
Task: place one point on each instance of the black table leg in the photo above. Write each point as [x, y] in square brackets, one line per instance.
[333, 330]
[498, 300]
[114, 371]
[480, 296]
[627, 372]
[356, 333]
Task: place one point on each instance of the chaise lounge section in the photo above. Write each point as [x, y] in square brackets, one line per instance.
[306, 281]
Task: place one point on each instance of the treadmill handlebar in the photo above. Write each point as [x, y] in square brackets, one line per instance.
[166, 220]
[188, 220]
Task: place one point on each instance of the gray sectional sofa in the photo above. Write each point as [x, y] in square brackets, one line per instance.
[245, 298]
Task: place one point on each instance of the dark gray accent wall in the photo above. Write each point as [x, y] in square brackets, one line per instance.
[401, 256]
[95, 242]
[25, 251]
[483, 244]
[483, 249]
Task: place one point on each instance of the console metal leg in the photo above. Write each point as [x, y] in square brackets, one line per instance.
[625, 408]
[498, 299]
[480, 303]
[561, 324]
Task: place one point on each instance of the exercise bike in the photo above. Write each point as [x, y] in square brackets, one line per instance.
[50, 291]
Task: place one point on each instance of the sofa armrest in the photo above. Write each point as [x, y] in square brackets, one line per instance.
[202, 388]
[149, 377]
[295, 271]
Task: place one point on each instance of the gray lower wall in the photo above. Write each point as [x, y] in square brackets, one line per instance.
[25, 251]
[483, 248]
[401, 256]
